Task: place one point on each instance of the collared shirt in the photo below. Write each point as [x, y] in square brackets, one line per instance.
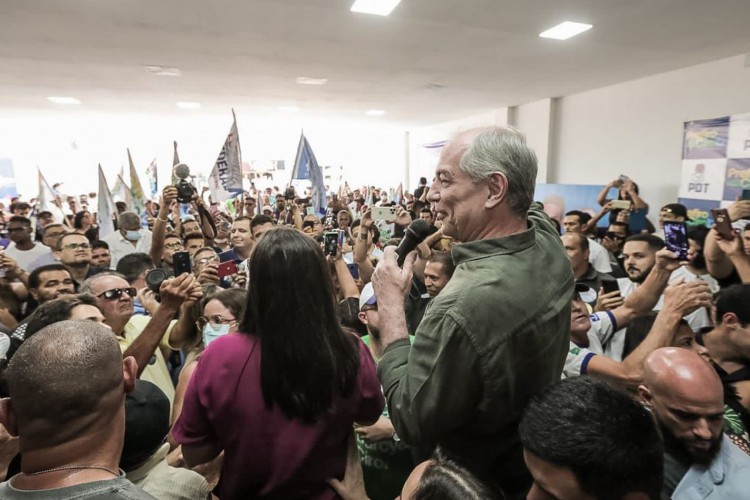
[726, 477]
[119, 246]
[159, 479]
[497, 334]
[156, 371]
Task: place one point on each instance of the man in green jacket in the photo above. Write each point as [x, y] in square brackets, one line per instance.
[498, 332]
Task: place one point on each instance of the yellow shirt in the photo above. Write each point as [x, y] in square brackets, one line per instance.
[156, 371]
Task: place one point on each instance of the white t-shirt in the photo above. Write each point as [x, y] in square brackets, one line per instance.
[685, 274]
[25, 258]
[697, 319]
[603, 326]
[599, 257]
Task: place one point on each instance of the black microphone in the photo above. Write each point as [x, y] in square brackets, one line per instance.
[413, 236]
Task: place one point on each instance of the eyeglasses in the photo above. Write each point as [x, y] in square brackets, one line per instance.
[74, 246]
[116, 293]
[214, 321]
[206, 260]
[614, 236]
[173, 245]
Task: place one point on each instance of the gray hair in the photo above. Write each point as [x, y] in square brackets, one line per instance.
[504, 150]
[87, 285]
[128, 219]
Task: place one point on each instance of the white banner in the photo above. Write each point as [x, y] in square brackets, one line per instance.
[225, 180]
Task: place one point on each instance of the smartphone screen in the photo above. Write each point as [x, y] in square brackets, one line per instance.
[331, 243]
[181, 263]
[610, 286]
[675, 236]
[745, 194]
[354, 270]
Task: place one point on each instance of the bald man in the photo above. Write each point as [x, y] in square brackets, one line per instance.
[70, 424]
[686, 396]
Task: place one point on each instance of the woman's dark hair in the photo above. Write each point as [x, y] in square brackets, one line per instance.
[233, 299]
[78, 221]
[445, 479]
[306, 358]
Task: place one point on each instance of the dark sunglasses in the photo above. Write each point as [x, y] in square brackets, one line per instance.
[116, 293]
[614, 236]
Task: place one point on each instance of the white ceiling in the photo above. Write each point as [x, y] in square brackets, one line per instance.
[430, 61]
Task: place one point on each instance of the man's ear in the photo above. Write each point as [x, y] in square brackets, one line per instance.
[58, 255]
[129, 373]
[34, 293]
[498, 188]
[645, 395]
[362, 317]
[7, 417]
[730, 319]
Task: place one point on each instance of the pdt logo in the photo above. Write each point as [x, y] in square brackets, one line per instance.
[697, 184]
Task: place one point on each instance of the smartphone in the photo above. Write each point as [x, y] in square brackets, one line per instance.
[354, 270]
[227, 256]
[311, 211]
[620, 205]
[675, 236]
[181, 263]
[722, 223]
[227, 268]
[383, 213]
[331, 243]
[610, 286]
[745, 194]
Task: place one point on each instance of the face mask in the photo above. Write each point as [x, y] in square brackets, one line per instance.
[210, 333]
[133, 235]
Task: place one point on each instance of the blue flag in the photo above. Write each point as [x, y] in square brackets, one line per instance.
[306, 167]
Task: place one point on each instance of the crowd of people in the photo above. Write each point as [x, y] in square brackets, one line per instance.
[255, 348]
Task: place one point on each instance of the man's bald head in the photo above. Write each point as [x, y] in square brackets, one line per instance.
[64, 382]
[686, 397]
[681, 371]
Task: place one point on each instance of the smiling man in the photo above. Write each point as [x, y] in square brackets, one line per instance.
[499, 328]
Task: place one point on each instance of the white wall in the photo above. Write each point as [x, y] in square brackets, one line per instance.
[534, 120]
[636, 127]
[369, 153]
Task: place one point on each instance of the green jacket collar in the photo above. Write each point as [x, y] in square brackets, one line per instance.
[479, 249]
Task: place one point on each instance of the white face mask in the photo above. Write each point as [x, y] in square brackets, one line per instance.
[210, 333]
[132, 235]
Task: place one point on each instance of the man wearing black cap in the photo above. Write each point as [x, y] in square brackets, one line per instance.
[144, 452]
[674, 212]
[588, 334]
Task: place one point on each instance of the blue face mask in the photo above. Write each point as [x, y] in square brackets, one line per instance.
[210, 333]
[132, 235]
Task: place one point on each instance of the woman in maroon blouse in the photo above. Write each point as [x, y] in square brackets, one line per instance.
[280, 399]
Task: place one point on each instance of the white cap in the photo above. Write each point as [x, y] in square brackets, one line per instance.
[367, 297]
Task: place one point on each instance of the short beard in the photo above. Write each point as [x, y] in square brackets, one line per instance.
[373, 332]
[641, 277]
[678, 448]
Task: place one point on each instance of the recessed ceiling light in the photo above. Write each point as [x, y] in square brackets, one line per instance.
[565, 30]
[163, 71]
[377, 7]
[189, 105]
[375, 112]
[306, 80]
[288, 109]
[64, 100]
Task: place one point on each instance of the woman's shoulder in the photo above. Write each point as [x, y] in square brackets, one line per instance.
[230, 345]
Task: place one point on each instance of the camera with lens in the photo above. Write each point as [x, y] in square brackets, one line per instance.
[289, 194]
[154, 278]
[185, 189]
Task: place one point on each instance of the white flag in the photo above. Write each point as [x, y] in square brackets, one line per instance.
[225, 180]
[47, 201]
[106, 208]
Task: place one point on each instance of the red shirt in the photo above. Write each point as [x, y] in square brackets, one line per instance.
[267, 454]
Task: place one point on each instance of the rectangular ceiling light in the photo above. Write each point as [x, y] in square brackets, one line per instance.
[63, 100]
[565, 30]
[307, 80]
[377, 7]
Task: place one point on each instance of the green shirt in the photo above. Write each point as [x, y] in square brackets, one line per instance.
[386, 464]
[496, 335]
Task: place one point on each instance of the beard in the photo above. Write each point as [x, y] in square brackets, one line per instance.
[373, 332]
[640, 278]
[684, 453]
[699, 262]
